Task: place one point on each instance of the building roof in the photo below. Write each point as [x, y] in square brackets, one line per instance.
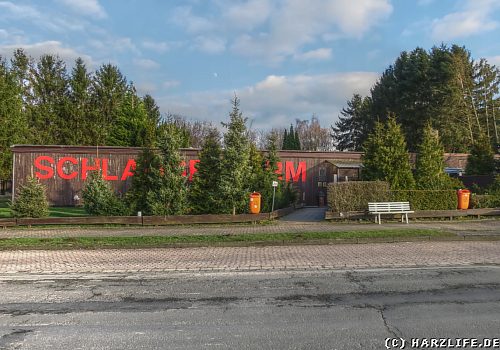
[346, 164]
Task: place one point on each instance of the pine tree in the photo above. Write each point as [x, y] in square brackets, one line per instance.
[13, 123]
[286, 140]
[109, 87]
[99, 198]
[31, 200]
[351, 130]
[291, 135]
[170, 196]
[297, 140]
[429, 174]
[372, 154]
[146, 179]
[233, 185]
[50, 101]
[81, 111]
[204, 197]
[386, 157]
[481, 160]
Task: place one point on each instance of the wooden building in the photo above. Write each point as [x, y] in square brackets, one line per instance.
[64, 169]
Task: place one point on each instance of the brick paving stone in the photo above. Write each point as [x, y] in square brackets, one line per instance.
[480, 227]
[250, 258]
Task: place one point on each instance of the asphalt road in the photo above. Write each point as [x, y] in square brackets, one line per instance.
[342, 309]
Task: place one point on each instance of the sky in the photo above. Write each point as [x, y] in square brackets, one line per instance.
[284, 59]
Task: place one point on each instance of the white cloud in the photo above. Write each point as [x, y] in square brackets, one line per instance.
[146, 63]
[473, 18]
[277, 100]
[247, 15]
[145, 87]
[90, 8]
[170, 84]
[210, 45]
[494, 60]
[11, 10]
[321, 54]
[47, 47]
[159, 46]
[54, 22]
[275, 30]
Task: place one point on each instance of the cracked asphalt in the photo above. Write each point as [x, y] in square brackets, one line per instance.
[334, 309]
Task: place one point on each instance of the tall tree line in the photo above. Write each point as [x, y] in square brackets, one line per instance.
[42, 102]
[443, 87]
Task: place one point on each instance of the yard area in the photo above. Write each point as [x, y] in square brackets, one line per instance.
[60, 212]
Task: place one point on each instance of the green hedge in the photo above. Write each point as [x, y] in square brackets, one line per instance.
[355, 195]
[427, 199]
[478, 201]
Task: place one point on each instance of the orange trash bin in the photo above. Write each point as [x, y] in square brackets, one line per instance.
[255, 203]
[463, 199]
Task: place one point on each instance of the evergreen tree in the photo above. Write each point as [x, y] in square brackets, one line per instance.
[284, 195]
[81, 113]
[170, 196]
[291, 136]
[153, 120]
[429, 174]
[372, 154]
[13, 123]
[99, 198]
[50, 101]
[350, 131]
[131, 126]
[386, 157]
[297, 140]
[204, 197]
[481, 160]
[31, 200]
[286, 141]
[146, 179]
[109, 88]
[233, 185]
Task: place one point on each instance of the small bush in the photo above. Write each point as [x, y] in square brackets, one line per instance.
[31, 201]
[352, 196]
[99, 199]
[427, 199]
[478, 201]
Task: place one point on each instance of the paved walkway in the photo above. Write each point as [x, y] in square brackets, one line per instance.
[249, 258]
[460, 227]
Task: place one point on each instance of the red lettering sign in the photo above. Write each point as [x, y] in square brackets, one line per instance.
[192, 168]
[60, 168]
[48, 171]
[128, 170]
[105, 174]
[86, 168]
[279, 171]
[290, 171]
[45, 165]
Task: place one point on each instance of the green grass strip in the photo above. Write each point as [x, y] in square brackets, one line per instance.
[207, 240]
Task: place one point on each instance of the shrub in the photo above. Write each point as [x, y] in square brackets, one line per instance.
[99, 198]
[427, 199]
[478, 201]
[352, 196]
[31, 201]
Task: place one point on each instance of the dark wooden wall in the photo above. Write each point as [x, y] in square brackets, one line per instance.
[62, 192]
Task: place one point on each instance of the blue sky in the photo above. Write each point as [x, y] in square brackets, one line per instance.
[285, 59]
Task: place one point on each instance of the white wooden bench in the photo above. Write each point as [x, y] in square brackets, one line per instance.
[380, 208]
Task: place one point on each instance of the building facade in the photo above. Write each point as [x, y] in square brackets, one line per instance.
[64, 169]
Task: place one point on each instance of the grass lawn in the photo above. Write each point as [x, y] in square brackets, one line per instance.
[53, 211]
[162, 241]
